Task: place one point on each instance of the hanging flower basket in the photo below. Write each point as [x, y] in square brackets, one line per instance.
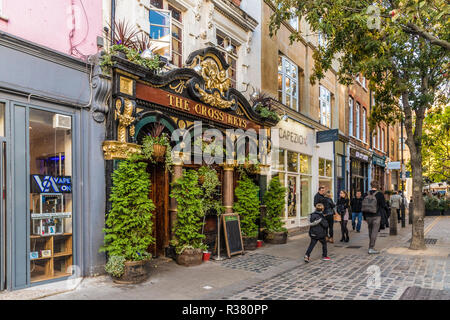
[159, 152]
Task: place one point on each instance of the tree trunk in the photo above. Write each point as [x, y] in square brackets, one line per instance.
[413, 140]
[418, 238]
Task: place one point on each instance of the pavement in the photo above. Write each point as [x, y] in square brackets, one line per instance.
[279, 272]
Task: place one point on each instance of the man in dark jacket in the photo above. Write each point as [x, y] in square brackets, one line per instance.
[356, 205]
[320, 197]
[374, 218]
[317, 232]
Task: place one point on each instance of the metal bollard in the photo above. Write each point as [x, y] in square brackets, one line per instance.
[411, 212]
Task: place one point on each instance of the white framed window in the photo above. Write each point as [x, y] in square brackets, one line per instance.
[382, 140]
[293, 21]
[364, 115]
[374, 141]
[325, 106]
[350, 116]
[161, 31]
[1, 7]
[287, 82]
[378, 138]
[363, 82]
[223, 42]
[357, 119]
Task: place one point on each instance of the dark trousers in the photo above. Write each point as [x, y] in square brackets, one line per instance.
[344, 229]
[330, 221]
[313, 244]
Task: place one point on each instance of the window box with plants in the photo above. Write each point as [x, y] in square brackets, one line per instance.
[130, 44]
[188, 240]
[128, 226]
[274, 199]
[247, 206]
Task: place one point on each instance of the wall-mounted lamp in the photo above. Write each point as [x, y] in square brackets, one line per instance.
[285, 117]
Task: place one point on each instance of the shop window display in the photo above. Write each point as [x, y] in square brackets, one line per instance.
[50, 195]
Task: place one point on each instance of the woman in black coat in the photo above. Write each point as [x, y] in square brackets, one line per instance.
[328, 213]
[342, 206]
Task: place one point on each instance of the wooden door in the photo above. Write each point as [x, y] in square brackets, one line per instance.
[159, 193]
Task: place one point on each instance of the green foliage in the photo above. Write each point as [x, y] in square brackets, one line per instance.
[147, 149]
[188, 194]
[131, 55]
[431, 203]
[245, 165]
[128, 226]
[115, 266]
[436, 144]
[211, 199]
[274, 199]
[247, 205]
[266, 113]
[444, 204]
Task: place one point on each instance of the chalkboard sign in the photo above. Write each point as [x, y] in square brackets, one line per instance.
[232, 231]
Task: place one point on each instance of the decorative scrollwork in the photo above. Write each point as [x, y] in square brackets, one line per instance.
[178, 88]
[125, 119]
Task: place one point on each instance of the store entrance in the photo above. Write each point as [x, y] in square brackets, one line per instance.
[159, 193]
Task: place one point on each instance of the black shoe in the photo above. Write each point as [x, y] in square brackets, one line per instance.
[347, 240]
[358, 231]
[342, 240]
[353, 228]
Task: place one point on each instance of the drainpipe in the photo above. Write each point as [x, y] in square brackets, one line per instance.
[113, 20]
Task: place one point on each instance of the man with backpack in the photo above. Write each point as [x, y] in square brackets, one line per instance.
[371, 207]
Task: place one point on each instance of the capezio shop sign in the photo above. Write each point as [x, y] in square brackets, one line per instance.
[50, 184]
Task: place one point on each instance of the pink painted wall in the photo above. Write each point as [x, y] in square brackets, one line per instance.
[49, 23]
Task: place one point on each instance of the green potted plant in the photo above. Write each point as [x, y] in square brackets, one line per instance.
[188, 238]
[156, 147]
[432, 206]
[128, 226]
[274, 199]
[247, 206]
[444, 205]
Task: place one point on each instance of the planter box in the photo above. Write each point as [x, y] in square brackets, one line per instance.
[446, 212]
[432, 212]
[275, 237]
[190, 257]
[135, 272]
[249, 243]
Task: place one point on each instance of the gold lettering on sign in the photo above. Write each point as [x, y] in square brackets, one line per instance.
[126, 86]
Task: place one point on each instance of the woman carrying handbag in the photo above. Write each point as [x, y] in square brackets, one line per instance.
[342, 206]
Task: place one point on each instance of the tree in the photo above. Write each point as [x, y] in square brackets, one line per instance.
[436, 144]
[406, 67]
[274, 199]
[247, 205]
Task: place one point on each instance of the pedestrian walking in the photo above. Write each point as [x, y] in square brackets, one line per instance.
[371, 208]
[317, 232]
[320, 197]
[342, 209]
[355, 205]
[329, 215]
[395, 203]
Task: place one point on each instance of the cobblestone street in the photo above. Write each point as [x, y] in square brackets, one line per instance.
[278, 272]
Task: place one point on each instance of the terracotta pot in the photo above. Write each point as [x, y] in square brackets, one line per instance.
[135, 272]
[275, 237]
[159, 152]
[190, 257]
[249, 243]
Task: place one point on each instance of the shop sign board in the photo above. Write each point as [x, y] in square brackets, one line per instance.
[393, 165]
[294, 136]
[233, 236]
[377, 160]
[50, 184]
[327, 135]
[359, 155]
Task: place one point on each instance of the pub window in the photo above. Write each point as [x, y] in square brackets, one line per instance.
[287, 82]
[350, 116]
[177, 37]
[160, 31]
[357, 119]
[325, 106]
[231, 56]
